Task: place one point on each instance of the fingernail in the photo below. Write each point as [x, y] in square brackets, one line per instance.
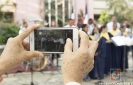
[37, 25]
[68, 39]
[41, 55]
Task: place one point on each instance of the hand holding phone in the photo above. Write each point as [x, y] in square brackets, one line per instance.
[51, 40]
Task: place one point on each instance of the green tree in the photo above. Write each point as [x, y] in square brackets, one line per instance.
[123, 9]
[8, 30]
[104, 17]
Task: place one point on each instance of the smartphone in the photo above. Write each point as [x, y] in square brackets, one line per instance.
[52, 40]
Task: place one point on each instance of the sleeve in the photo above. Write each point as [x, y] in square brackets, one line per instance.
[102, 47]
[2, 79]
[20, 31]
[73, 83]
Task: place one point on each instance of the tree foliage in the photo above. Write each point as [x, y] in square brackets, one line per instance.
[7, 31]
[123, 9]
[104, 17]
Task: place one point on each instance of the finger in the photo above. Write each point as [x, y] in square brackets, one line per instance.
[84, 40]
[68, 46]
[32, 54]
[26, 45]
[24, 34]
[92, 48]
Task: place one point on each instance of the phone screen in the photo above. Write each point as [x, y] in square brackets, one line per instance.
[51, 40]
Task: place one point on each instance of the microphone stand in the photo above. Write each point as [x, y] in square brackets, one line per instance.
[124, 58]
[124, 67]
[132, 61]
[132, 64]
[32, 83]
[124, 75]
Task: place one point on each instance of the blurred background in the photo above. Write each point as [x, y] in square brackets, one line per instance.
[13, 14]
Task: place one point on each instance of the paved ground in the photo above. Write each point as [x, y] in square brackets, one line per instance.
[52, 78]
[55, 78]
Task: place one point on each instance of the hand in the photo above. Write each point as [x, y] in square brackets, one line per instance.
[109, 41]
[17, 51]
[75, 65]
[96, 54]
[125, 34]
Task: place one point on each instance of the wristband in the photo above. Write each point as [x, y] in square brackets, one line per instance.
[1, 79]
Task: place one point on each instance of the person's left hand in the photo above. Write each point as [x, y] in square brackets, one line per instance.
[17, 51]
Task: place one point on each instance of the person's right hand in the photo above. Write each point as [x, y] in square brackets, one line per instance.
[76, 65]
[109, 41]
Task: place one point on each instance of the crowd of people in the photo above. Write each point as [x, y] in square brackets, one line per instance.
[108, 56]
[49, 43]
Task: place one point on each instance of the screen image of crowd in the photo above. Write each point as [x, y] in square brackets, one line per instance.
[51, 40]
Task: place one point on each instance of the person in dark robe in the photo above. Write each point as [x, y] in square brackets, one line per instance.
[116, 51]
[94, 36]
[103, 50]
[101, 58]
[104, 34]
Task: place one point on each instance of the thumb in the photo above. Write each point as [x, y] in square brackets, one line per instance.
[32, 54]
[92, 47]
[68, 46]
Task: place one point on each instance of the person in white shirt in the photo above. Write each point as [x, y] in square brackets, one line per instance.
[128, 30]
[70, 23]
[90, 26]
[75, 65]
[61, 47]
[127, 25]
[110, 24]
[61, 41]
[23, 28]
[79, 24]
